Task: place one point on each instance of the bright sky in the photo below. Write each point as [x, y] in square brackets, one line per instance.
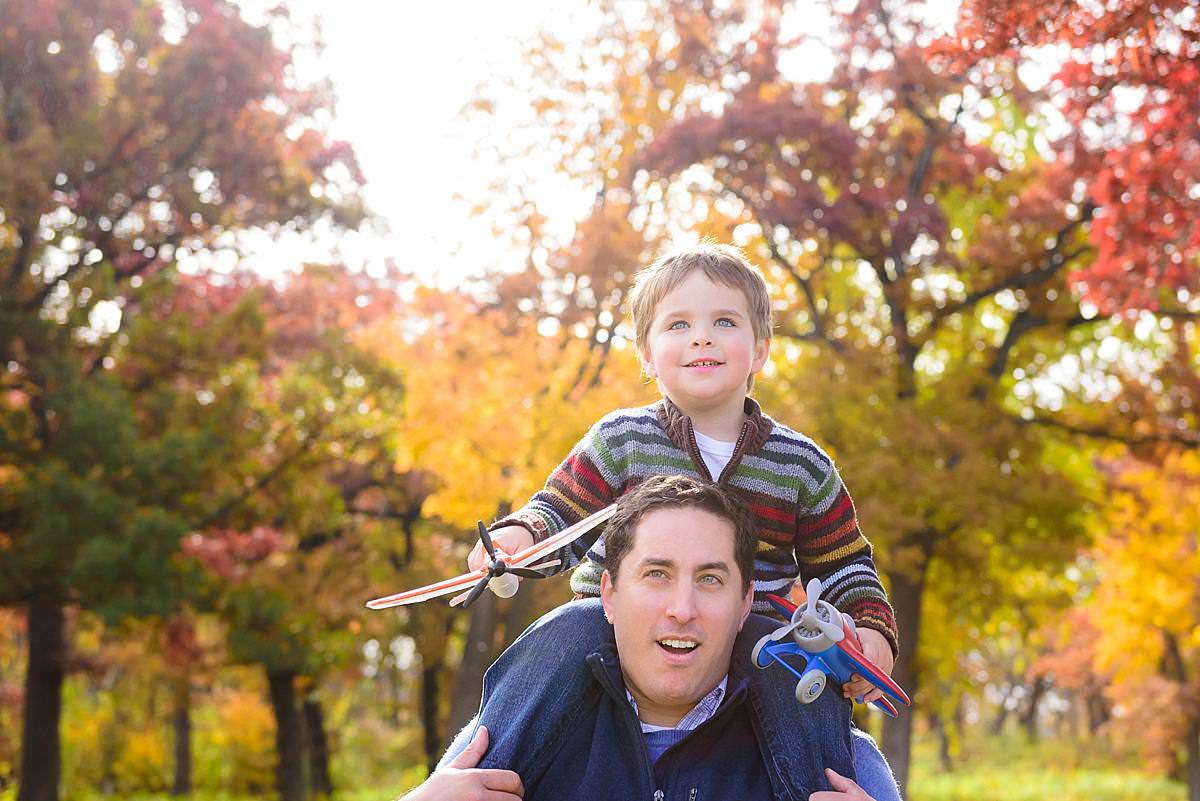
[402, 72]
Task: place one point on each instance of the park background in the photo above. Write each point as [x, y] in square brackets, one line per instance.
[261, 364]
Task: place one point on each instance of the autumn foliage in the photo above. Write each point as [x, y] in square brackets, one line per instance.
[980, 248]
[1126, 84]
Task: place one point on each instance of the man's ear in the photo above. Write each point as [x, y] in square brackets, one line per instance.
[746, 604]
[606, 591]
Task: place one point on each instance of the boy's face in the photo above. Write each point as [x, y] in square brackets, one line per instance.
[701, 346]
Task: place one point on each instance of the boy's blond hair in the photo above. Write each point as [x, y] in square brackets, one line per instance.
[721, 264]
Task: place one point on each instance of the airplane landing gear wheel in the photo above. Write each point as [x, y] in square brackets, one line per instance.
[759, 654]
[809, 688]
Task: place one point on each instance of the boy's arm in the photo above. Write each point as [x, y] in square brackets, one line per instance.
[584, 483]
[831, 547]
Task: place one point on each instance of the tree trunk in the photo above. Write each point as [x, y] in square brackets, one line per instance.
[289, 772]
[318, 748]
[477, 656]
[1176, 669]
[41, 760]
[996, 728]
[516, 619]
[943, 737]
[1097, 711]
[1192, 760]
[182, 724]
[431, 675]
[907, 591]
[1029, 713]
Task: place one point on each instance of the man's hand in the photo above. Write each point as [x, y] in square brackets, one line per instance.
[509, 539]
[843, 789]
[462, 781]
[876, 648]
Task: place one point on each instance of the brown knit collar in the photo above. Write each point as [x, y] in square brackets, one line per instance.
[678, 425]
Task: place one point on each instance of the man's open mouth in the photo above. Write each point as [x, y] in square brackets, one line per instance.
[673, 646]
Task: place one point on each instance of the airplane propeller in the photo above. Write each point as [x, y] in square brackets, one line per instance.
[819, 617]
[500, 575]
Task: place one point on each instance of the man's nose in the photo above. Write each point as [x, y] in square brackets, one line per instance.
[682, 603]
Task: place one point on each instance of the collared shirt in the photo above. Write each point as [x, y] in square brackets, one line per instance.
[704, 709]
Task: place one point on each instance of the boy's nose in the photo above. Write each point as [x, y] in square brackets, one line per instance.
[701, 337]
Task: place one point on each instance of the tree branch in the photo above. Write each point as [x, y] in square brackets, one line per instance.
[226, 508]
[21, 259]
[819, 331]
[1186, 439]
[1053, 264]
[1022, 324]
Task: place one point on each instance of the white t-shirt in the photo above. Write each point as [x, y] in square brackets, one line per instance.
[716, 453]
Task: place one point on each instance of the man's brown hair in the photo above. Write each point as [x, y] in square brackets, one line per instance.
[721, 264]
[673, 492]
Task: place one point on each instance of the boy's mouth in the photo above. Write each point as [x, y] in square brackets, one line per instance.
[704, 363]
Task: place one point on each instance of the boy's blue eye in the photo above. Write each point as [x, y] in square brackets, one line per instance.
[678, 325]
[726, 322]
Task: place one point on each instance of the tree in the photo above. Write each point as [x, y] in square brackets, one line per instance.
[1127, 83]
[133, 137]
[279, 538]
[1146, 604]
[493, 408]
[921, 228]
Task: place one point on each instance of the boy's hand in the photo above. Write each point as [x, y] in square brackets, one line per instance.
[843, 789]
[875, 647]
[509, 539]
[462, 781]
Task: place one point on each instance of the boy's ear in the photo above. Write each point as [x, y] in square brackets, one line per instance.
[762, 349]
[647, 363]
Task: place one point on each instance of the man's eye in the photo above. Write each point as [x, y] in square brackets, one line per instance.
[711, 580]
[678, 325]
[656, 574]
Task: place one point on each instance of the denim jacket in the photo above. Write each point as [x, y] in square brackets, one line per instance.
[604, 754]
[542, 688]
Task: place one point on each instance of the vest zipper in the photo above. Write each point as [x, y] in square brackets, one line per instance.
[692, 794]
[737, 453]
[734, 458]
[606, 682]
[697, 457]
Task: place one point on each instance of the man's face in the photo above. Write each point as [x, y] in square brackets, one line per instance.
[676, 608]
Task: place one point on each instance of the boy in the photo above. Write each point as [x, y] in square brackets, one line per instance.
[702, 320]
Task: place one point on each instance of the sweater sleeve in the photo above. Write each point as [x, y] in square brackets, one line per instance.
[830, 546]
[585, 482]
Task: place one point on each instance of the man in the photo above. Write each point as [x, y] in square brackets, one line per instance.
[668, 713]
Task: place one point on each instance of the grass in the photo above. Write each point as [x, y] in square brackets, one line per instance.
[1005, 769]
[1011, 769]
[998, 784]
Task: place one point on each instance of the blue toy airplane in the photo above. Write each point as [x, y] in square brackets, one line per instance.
[829, 644]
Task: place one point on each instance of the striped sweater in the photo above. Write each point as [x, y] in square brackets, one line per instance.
[806, 522]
